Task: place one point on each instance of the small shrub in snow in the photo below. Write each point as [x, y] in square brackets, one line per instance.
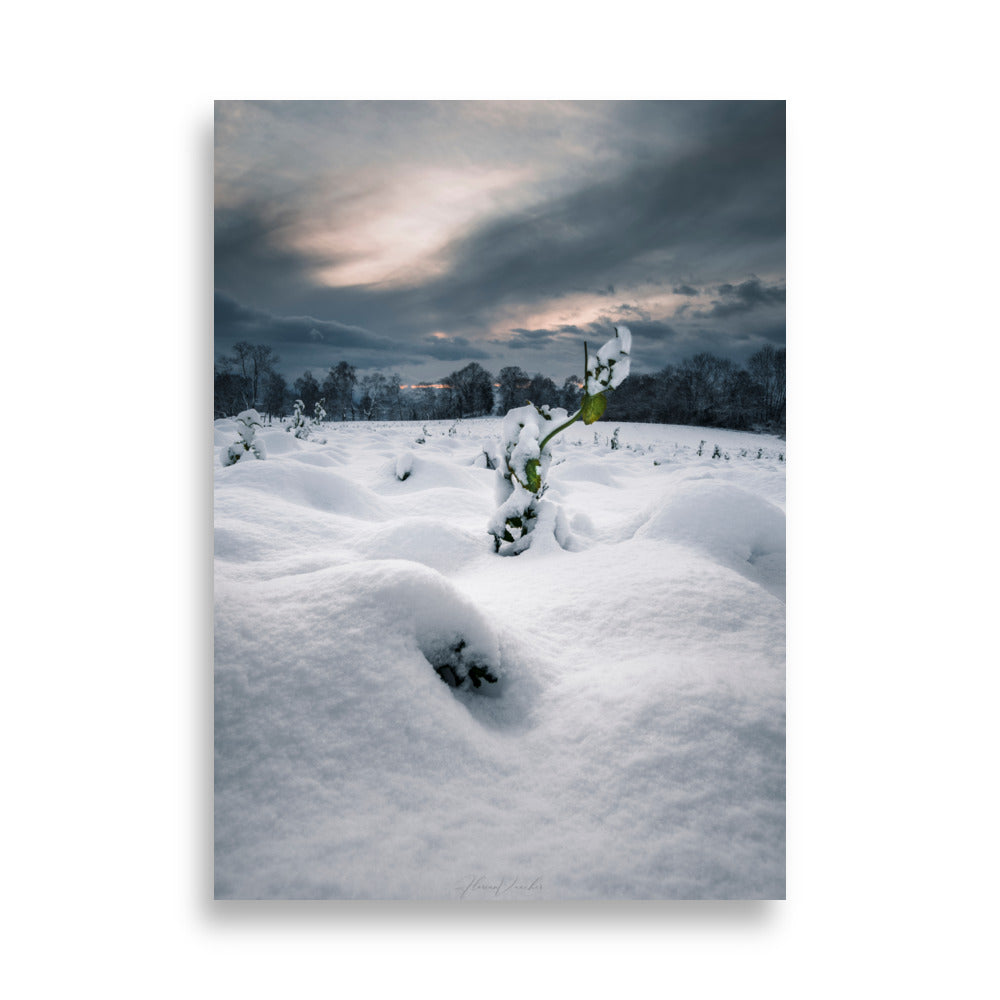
[302, 428]
[525, 457]
[458, 667]
[246, 426]
[701, 445]
[298, 426]
[717, 453]
[404, 466]
[615, 443]
[319, 414]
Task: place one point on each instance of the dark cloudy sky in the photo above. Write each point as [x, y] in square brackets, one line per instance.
[414, 237]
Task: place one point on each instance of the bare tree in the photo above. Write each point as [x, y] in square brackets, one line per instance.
[393, 400]
[767, 369]
[276, 395]
[571, 393]
[471, 391]
[514, 383]
[254, 362]
[338, 388]
[308, 390]
[542, 391]
[232, 390]
[373, 390]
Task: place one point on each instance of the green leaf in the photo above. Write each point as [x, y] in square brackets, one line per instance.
[593, 408]
[534, 479]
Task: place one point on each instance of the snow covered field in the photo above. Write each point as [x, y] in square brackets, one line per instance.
[634, 745]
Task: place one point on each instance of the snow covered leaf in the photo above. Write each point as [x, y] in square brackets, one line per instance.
[610, 366]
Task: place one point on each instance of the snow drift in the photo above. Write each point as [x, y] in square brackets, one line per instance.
[632, 743]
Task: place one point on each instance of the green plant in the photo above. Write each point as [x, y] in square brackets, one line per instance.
[526, 434]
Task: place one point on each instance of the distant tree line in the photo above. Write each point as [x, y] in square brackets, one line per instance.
[704, 390]
[708, 391]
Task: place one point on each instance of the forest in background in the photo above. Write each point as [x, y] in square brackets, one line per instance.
[704, 390]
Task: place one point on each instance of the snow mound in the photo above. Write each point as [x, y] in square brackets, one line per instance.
[280, 443]
[632, 746]
[308, 486]
[422, 603]
[355, 744]
[320, 459]
[732, 526]
[425, 540]
[583, 472]
[427, 473]
[404, 466]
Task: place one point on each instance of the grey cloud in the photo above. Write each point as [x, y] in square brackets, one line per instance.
[452, 349]
[774, 334]
[731, 190]
[234, 321]
[652, 331]
[741, 298]
[753, 291]
[252, 250]
[720, 203]
[537, 339]
[685, 196]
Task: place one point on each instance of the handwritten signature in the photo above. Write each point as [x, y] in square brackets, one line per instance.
[481, 885]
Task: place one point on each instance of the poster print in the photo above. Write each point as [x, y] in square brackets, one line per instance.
[499, 507]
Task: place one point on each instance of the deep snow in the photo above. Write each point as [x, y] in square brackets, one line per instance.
[633, 746]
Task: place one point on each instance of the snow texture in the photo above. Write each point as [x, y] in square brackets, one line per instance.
[632, 745]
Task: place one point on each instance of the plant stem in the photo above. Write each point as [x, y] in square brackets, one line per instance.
[548, 437]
